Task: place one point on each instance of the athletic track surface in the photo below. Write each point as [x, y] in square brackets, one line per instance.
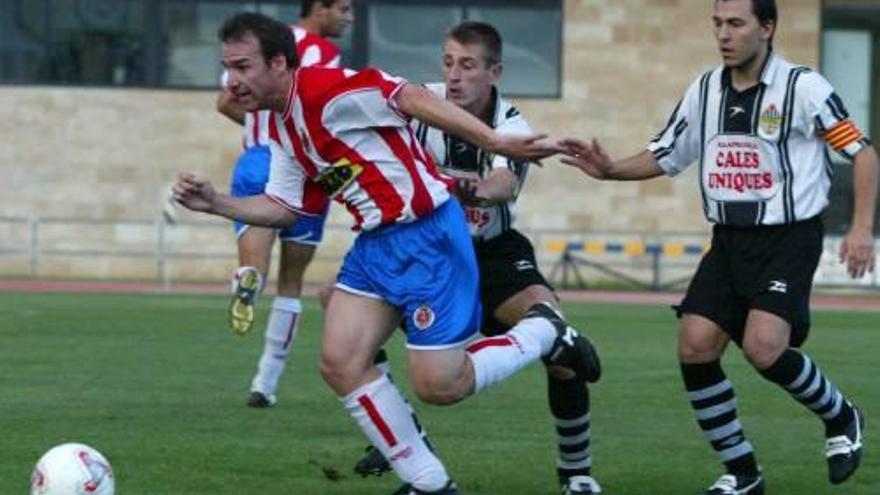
[860, 302]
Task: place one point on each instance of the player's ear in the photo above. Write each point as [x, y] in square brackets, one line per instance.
[278, 63]
[496, 71]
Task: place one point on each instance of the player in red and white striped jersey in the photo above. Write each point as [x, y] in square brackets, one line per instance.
[338, 127]
[348, 134]
[319, 20]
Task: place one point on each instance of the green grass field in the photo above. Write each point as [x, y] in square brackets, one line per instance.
[158, 384]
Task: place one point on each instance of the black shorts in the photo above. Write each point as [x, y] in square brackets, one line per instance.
[507, 266]
[769, 268]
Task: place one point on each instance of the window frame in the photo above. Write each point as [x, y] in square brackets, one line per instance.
[156, 34]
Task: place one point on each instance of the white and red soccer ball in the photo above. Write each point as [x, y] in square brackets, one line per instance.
[72, 469]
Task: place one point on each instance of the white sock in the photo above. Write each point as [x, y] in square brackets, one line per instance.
[496, 358]
[384, 417]
[281, 331]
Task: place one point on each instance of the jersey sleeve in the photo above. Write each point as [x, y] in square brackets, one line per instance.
[311, 56]
[318, 52]
[513, 124]
[289, 186]
[677, 146]
[365, 99]
[827, 116]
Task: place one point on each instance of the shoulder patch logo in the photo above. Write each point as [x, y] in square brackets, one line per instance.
[423, 317]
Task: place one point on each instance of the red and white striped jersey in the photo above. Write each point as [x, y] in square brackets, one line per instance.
[312, 51]
[341, 136]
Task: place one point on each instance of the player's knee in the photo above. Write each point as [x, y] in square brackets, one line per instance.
[440, 392]
[338, 373]
[762, 350]
[699, 341]
[697, 350]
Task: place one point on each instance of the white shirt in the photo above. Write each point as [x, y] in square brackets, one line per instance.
[460, 159]
[779, 170]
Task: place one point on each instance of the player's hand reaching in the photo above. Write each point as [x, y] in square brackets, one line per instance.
[194, 192]
[590, 157]
[467, 192]
[530, 147]
[857, 251]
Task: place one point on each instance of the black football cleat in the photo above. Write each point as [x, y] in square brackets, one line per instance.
[579, 485]
[373, 463]
[449, 489]
[258, 400]
[844, 452]
[571, 350]
[731, 484]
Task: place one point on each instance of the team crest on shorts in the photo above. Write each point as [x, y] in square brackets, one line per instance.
[423, 317]
[770, 120]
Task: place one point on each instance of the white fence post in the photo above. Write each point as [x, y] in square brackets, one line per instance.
[33, 245]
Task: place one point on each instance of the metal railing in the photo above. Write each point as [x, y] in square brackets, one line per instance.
[53, 247]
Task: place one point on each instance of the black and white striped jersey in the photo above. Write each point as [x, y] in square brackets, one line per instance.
[763, 152]
[460, 159]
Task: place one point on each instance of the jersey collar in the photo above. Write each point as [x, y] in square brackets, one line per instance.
[768, 71]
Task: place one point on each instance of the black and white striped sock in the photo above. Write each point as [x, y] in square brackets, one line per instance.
[714, 403]
[800, 376]
[570, 406]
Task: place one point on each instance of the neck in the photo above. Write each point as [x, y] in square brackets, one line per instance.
[749, 73]
[482, 108]
[311, 25]
[279, 101]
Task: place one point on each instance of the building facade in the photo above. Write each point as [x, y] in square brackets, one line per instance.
[103, 102]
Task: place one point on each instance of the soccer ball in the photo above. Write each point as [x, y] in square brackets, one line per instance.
[72, 469]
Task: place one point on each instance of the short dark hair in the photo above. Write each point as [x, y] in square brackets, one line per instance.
[276, 38]
[306, 6]
[471, 32]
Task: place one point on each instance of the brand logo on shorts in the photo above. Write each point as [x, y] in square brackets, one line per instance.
[524, 265]
[778, 286]
[423, 317]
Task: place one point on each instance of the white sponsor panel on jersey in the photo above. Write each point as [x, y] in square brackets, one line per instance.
[740, 168]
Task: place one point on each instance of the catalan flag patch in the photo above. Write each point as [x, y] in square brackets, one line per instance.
[843, 134]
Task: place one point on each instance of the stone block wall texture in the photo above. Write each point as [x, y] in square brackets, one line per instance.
[110, 154]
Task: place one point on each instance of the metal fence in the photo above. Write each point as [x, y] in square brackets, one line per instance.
[144, 249]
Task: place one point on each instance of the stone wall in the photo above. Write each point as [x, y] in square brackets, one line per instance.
[110, 154]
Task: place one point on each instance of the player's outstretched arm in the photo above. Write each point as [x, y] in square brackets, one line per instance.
[419, 102]
[198, 194]
[592, 159]
[857, 248]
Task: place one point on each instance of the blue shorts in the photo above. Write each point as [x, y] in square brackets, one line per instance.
[249, 178]
[426, 268]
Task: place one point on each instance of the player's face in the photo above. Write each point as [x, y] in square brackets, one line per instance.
[253, 82]
[336, 18]
[468, 75]
[739, 33]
